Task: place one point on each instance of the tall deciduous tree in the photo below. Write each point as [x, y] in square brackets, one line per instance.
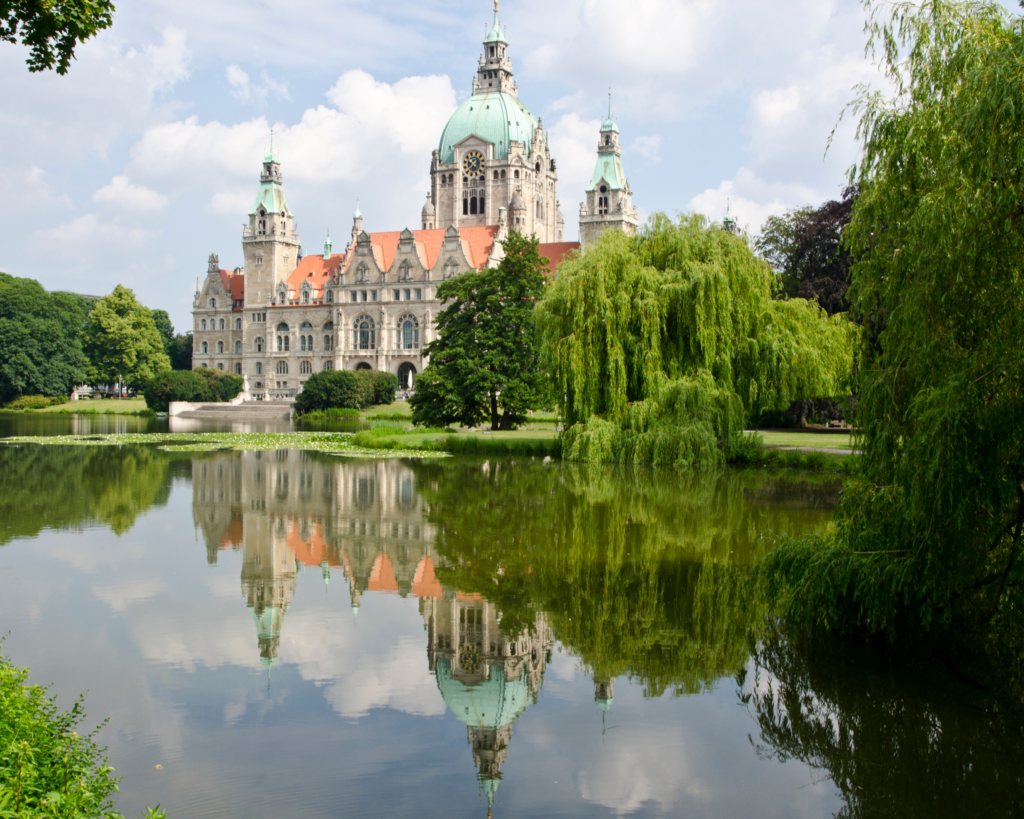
[163, 325]
[180, 352]
[484, 363]
[805, 246]
[122, 341]
[664, 345]
[53, 28]
[932, 534]
[40, 350]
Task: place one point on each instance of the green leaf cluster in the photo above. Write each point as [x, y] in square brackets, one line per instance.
[484, 363]
[40, 350]
[665, 344]
[930, 536]
[46, 768]
[53, 29]
[346, 389]
[123, 342]
[202, 385]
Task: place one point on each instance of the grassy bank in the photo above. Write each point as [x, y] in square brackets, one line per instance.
[820, 440]
[105, 406]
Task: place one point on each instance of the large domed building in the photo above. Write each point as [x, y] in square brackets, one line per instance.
[283, 315]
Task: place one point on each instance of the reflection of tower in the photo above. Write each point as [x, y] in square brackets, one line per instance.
[486, 677]
[604, 693]
[268, 580]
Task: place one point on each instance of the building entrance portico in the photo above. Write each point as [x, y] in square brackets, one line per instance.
[406, 375]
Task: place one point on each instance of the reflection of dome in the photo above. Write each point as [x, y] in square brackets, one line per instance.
[493, 116]
[491, 703]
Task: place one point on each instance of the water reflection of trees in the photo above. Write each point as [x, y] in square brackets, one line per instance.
[59, 487]
[907, 742]
[639, 572]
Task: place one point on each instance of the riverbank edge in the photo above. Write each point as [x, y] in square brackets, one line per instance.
[531, 446]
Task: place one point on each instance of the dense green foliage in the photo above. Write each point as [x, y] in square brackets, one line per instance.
[34, 402]
[484, 358]
[202, 385]
[343, 389]
[805, 246]
[40, 352]
[665, 344]
[179, 350]
[123, 342]
[46, 768]
[53, 29]
[930, 536]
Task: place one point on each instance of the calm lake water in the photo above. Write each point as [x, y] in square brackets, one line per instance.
[293, 634]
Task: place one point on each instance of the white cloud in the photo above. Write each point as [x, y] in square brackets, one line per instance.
[86, 233]
[231, 203]
[243, 89]
[121, 193]
[649, 147]
[574, 145]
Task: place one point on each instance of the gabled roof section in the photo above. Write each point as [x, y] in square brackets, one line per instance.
[476, 243]
[556, 253]
[609, 169]
[317, 271]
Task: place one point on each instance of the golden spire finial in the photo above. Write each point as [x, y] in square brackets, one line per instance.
[495, 6]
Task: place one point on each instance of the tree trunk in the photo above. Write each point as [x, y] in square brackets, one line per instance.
[494, 411]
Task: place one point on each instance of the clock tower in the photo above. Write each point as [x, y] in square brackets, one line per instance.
[494, 152]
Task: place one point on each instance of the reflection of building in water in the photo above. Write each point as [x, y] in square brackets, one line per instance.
[486, 677]
[287, 508]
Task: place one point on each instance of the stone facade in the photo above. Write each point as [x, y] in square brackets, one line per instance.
[283, 316]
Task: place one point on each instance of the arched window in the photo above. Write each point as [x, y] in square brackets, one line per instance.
[282, 327]
[202, 324]
[238, 369]
[206, 347]
[282, 368]
[330, 297]
[328, 365]
[238, 348]
[451, 267]
[364, 334]
[481, 204]
[465, 206]
[238, 324]
[305, 297]
[220, 346]
[259, 368]
[222, 324]
[329, 327]
[538, 166]
[472, 205]
[516, 174]
[306, 326]
[220, 366]
[305, 368]
[502, 174]
[213, 303]
[495, 176]
[302, 344]
[409, 332]
[327, 343]
[259, 345]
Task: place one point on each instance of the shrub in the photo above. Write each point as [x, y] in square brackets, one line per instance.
[48, 770]
[199, 385]
[34, 402]
[332, 413]
[346, 389]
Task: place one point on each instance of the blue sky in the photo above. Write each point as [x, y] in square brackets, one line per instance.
[146, 157]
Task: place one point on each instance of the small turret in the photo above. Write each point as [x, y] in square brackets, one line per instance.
[429, 214]
[327, 246]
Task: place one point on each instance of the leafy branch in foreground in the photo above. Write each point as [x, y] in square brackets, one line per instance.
[929, 538]
[53, 29]
[46, 768]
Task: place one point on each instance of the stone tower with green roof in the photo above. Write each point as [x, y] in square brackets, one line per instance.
[609, 203]
[492, 149]
[270, 241]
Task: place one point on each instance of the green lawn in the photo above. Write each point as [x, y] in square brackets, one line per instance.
[397, 408]
[821, 440]
[110, 406]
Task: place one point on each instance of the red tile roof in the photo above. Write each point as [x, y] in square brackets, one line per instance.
[557, 252]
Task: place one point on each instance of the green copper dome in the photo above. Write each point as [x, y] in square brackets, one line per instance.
[492, 703]
[609, 125]
[493, 116]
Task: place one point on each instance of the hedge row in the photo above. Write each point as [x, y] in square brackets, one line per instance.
[346, 389]
[35, 402]
[199, 386]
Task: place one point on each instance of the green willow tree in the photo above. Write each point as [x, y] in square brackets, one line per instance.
[930, 536]
[123, 342]
[484, 358]
[665, 344]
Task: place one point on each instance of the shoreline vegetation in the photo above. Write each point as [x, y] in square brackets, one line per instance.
[48, 769]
